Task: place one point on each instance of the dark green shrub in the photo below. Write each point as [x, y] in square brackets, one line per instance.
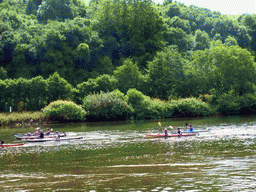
[58, 88]
[170, 109]
[228, 104]
[192, 107]
[105, 83]
[64, 110]
[247, 104]
[143, 106]
[107, 106]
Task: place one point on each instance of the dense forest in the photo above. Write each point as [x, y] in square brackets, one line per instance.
[66, 49]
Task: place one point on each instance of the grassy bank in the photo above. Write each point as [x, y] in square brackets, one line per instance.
[23, 119]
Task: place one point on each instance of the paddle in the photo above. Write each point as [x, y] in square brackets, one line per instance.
[161, 126]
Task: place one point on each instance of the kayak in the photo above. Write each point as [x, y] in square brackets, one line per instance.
[196, 131]
[53, 135]
[171, 135]
[53, 139]
[12, 145]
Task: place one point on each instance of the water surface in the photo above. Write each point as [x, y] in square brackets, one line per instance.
[116, 156]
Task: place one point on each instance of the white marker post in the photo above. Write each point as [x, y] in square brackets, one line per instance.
[10, 109]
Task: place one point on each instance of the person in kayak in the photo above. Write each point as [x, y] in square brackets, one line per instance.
[57, 135]
[1, 142]
[190, 128]
[165, 131]
[41, 135]
[48, 132]
[36, 131]
[179, 132]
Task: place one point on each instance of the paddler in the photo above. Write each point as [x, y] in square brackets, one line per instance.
[190, 128]
[165, 131]
[41, 135]
[48, 132]
[57, 135]
[36, 132]
[1, 142]
[179, 132]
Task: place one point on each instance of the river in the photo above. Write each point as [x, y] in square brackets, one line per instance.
[116, 156]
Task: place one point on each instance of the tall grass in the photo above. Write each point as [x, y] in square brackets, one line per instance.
[26, 118]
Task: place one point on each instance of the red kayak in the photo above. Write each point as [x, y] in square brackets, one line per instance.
[171, 135]
[12, 145]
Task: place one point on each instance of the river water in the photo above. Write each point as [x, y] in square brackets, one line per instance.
[118, 157]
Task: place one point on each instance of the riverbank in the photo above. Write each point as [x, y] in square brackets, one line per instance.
[23, 119]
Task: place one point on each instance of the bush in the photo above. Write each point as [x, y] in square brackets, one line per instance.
[232, 104]
[64, 110]
[228, 104]
[247, 104]
[192, 107]
[144, 107]
[105, 83]
[107, 106]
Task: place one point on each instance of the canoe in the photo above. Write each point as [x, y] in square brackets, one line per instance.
[196, 131]
[170, 135]
[53, 139]
[62, 134]
[12, 145]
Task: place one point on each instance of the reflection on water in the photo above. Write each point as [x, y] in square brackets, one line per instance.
[116, 158]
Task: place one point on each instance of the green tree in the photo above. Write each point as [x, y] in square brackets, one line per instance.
[235, 68]
[166, 73]
[128, 76]
[3, 73]
[202, 40]
[3, 95]
[16, 92]
[32, 6]
[176, 36]
[178, 22]
[173, 10]
[230, 41]
[37, 94]
[60, 10]
[58, 88]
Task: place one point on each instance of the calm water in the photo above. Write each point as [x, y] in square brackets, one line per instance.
[117, 157]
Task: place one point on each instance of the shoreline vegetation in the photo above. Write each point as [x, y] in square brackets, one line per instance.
[110, 106]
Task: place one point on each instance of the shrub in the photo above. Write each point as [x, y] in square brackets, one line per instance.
[192, 107]
[247, 104]
[170, 109]
[143, 106]
[105, 83]
[107, 106]
[64, 110]
[228, 104]
[232, 104]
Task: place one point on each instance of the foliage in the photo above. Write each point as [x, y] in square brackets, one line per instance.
[166, 73]
[192, 107]
[64, 111]
[230, 41]
[58, 88]
[107, 106]
[3, 73]
[144, 108]
[113, 44]
[20, 119]
[103, 83]
[202, 40]
[176, 36]
[233, 104]
[128, 76]
[59, 10]
[235, 68]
